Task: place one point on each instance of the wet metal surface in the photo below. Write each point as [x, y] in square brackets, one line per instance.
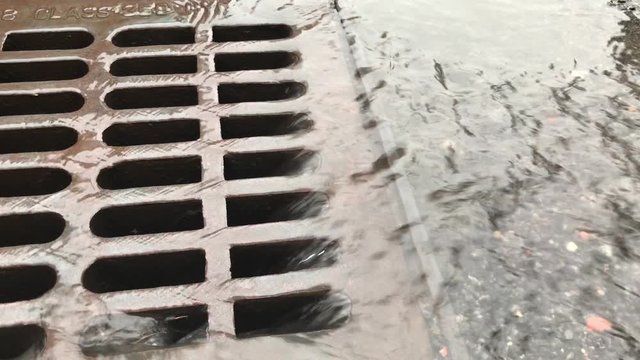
[521, 126]
[162, 208]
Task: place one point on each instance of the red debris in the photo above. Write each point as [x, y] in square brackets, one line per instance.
[584, 235]
[598, 324]
[444, 352]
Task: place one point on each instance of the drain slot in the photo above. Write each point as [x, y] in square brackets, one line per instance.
[152, 132]
[282, 257]
[154, 218]
[126, 333]
[41, 139]
[33, 181]
[255, 61]
[266, 164]
[155, 172]
[251, 32]
[150, 97]
[47, 40]
[21, 341]
[145, 271]
[256, 92]
[154, 65]
[26, 282]
[235, 127]
[28, 229]
[11, 72]
[42, 103]
[155, 36]
[290, 314]
[260, 209]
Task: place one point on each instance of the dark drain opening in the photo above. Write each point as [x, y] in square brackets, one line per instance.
[255, 92]
[21, 341]
[234, 127]
[255, 61]
[47, 40]
[266, 164]
[26, 282]
[154, 218]
[282, 257]
[40, 103]
[40, 139]
[33, 181]
[290, 314]
[145, 271]
[152, 132]
[155, 36]
[251, 32]
[126, 333]
[260, 209]
[155, 65]
[42, 70]
[28, 229]
[154, 172]
[149, 97]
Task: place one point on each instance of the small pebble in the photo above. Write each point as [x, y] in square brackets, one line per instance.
[607, 250]
[568, 334]
[572, 247]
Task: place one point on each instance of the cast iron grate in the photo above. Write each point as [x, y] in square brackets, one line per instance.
[155, 65]
[264, 125]
[59, 39]
[164, 35]
[158, 328]
[168, 176]
[37, 139]
[26, 282]
[31, 228]
[151, 132]
[161, 269]
[145, 271]
[24, 341]
[33, 181]
[41, 103]
[49, 70]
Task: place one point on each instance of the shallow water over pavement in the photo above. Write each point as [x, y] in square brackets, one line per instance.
[521, 125]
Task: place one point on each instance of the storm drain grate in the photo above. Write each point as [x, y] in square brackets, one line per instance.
[151, 218]
[31, 228]
[155, 65]
[23, 71]
[26, 282]
[41, 103]
[21, 340]
[145, 271]
[152, 132]
[58, 39]
[37, 139]
[173, 177]
[154, 35]
[290, 314]
[282, 257]
[33, 181]
[152, 97]
[264, 125]
[161, 328]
